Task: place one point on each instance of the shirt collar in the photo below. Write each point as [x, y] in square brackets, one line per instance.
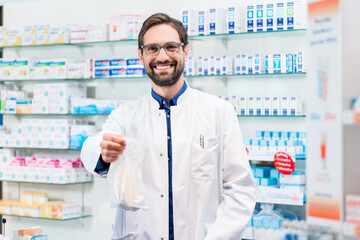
[173, 101]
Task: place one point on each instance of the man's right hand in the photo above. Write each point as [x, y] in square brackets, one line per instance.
[112, 146]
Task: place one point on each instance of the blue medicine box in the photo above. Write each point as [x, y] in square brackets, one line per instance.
[262, 172]
[274, 173]
[268, 182]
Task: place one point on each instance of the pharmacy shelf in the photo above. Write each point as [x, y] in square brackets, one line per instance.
[351, 230]
[279, 196]
[146, 77]
[32, 148]
[271, 116]
[73, 183]
[52, 114]
[269, 157]
[91, 114]
[54, 219]
[292, 33]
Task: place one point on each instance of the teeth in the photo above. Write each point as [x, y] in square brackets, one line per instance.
[163, 67]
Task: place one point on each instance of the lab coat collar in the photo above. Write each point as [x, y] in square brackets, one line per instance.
[173, 101]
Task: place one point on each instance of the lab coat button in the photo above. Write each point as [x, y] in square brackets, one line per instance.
[168, 137]
[160, 154]
[161, 196]
[168, 115]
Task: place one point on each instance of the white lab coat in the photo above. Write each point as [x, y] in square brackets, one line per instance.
[208, 203]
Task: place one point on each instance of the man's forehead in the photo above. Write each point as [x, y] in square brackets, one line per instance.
[161, 33]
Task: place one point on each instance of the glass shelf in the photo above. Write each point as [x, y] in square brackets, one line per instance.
[51, 114]
[31, 148]
[146, 77]
[74, 183]
[270, 116]
[54, 219]
[294, 32]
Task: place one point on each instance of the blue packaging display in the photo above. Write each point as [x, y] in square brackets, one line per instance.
[274, 173]
[257, 181]
[118, 72]
[133, 62]
[121, 63]
[135, 72]
[102, 63]
[268, 182]
[262, 172]
[89, 109]
[102, 72]
[76, 141]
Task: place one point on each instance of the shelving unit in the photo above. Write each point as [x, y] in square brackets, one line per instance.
[52, 219]
[297, 32]
[229, 84]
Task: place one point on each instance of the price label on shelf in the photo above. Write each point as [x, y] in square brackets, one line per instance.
[284, 163]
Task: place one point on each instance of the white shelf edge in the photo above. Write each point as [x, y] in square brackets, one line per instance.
[279, 196]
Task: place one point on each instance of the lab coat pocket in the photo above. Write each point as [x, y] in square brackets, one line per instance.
[205, 155]
[129, 236]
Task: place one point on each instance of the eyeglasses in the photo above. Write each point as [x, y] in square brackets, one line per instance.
[154, 49]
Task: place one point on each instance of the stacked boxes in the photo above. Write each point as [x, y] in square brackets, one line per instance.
[270, 142]
[44, 209]
[104, 68]
[79, 133]
[44, 169]
[257, 17]
[267, 106]
[39, 133]
[55, 97]
[123, 27]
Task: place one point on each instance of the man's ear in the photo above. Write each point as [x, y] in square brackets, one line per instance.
[186, 51]
[140, 56]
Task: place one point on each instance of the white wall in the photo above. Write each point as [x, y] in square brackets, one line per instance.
[96, 11]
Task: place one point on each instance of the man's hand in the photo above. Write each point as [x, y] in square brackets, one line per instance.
[112, 146]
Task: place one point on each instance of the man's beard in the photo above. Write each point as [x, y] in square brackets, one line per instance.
[169, 81]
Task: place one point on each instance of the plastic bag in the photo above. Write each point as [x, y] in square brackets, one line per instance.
[125, 177]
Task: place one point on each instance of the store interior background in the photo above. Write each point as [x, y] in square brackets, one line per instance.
[94, 11]
[82, 12]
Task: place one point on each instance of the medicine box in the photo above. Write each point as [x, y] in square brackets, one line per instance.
[284, 106]
[212, 65]
[251, 106]
[242, 106]
[295, 106]
[226, 65]
[280, 14]
[270, 17]
[267, 106]
[202, 23]
[275, 106]
[200, 67]
[189, 19]
[235, 20]
[217, 21]
[250, 19]
[260, 20]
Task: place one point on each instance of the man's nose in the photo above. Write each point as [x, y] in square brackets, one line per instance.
[162, 56]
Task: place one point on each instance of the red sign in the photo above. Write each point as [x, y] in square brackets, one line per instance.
[284, 163]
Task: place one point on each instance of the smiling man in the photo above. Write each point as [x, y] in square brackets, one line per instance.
[197, 179]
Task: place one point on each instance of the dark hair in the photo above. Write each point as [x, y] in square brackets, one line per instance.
[162, 18]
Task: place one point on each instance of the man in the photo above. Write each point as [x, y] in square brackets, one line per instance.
[197, 179]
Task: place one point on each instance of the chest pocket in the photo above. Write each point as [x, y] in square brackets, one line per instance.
[205, 156]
